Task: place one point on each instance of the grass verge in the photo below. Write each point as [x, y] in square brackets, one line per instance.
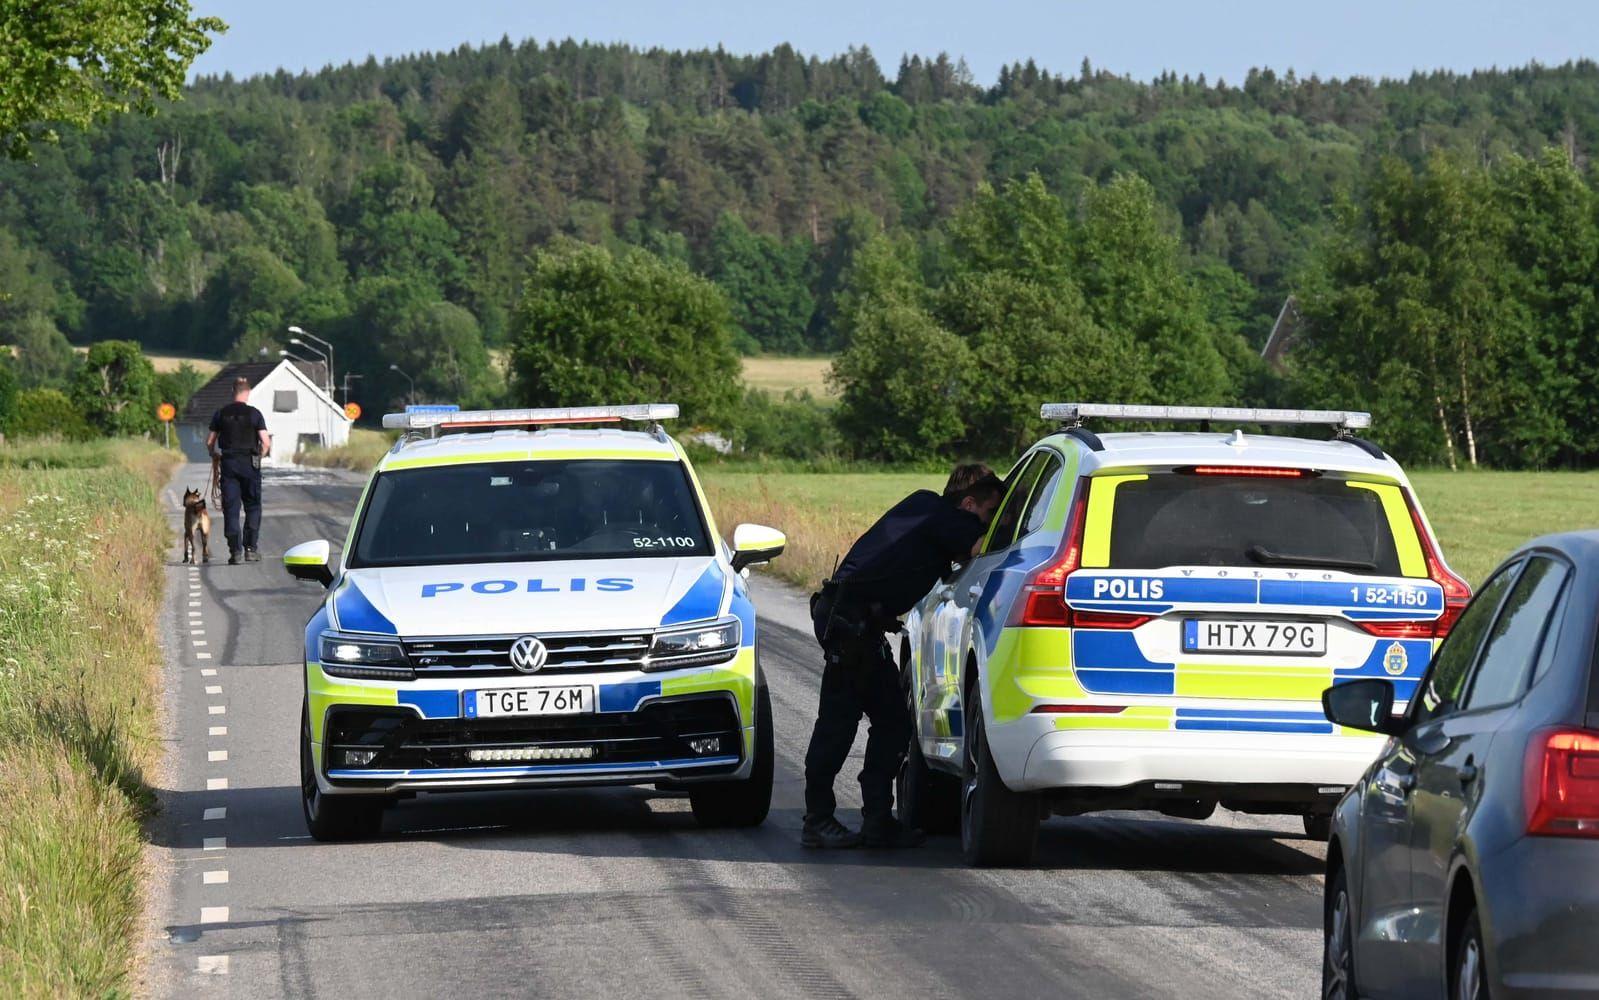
[360, 453]
[81, 539]
[1479, 516]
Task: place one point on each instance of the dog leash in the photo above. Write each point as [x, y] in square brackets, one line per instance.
[216, 481]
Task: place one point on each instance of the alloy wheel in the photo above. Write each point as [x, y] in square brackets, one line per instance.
[1468, 980]
[1337, 985]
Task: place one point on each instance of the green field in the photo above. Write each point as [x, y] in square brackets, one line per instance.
[1479, 516]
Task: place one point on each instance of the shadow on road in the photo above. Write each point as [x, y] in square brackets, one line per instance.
[638, 822]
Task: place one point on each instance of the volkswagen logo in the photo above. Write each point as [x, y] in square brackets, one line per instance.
[528, 654]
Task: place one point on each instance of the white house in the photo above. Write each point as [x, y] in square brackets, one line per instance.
[289, 394]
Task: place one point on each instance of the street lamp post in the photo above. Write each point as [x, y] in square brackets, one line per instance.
[410, 395]
[327, 346]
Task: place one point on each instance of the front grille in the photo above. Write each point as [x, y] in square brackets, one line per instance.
[490, 656]
[661, 730]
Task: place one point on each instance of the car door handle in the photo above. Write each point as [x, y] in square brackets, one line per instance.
[974, 591]
[1468, 773]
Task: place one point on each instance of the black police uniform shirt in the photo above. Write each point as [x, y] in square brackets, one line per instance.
[237, 427]
[909, 549]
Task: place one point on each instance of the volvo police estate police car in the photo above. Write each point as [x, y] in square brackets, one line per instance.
[1152, 620]
[530, 597]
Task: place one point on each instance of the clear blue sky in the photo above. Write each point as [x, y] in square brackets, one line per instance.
[1216, 37]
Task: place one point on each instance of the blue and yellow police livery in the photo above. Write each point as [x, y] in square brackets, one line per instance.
[533, 597]
[1153, 618]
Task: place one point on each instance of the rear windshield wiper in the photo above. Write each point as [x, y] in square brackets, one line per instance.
[1267, 557]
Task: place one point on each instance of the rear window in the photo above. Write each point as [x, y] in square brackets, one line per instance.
[1180, 519]
[517, 511]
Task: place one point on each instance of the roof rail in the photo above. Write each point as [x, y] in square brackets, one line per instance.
[435, 422]
[1073, 414]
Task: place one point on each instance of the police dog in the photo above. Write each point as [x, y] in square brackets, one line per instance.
[195, 516]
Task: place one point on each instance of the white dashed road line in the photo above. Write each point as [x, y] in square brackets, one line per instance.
[218, 731]
[214, 844]
[216, 812]
[218, 877]
[216, 784]
[212, 965]
[217, 709]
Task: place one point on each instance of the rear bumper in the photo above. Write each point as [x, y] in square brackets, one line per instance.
[1045, 758]
[1541, 918]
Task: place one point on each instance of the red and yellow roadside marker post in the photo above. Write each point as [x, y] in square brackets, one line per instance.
[166, 412]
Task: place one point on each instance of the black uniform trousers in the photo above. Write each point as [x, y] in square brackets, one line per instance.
[241, 486]
[859, 678]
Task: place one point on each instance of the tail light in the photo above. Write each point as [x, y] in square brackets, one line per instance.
[1045, 587]
[1563, 783]
[1457, 592]
[1401, 629]
[1255, 471]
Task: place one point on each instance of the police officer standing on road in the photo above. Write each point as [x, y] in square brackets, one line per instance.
[886, 572]
[239, 436]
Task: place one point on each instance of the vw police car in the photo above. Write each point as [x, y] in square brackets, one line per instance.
[533, 597]
[1152, 619]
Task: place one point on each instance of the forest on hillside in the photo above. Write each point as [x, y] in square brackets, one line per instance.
[392, 207]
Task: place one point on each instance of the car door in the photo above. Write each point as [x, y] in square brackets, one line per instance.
[1387, 959]
[1453, 749]
[962, 594]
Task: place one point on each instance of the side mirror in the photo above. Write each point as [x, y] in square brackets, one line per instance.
[1364, 704]
[310, 561]
[756, 543]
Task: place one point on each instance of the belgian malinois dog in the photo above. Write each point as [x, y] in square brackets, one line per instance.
[195, 516]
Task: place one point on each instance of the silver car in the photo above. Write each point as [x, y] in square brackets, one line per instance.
[1465, 863]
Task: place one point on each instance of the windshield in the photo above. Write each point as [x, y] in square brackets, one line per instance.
[517, 511]
[1177, 519]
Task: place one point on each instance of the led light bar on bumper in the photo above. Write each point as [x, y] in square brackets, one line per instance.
[363, 658]
[700, 645]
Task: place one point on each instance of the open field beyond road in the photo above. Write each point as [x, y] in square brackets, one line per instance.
[1479, 516]
[778, 375]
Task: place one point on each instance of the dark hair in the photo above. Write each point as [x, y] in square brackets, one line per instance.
[963, 476]
[988, 487]
[240, 384]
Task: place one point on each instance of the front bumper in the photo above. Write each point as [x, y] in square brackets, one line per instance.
[420, 739]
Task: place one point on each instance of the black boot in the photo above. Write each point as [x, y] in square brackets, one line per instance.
[890, 833]
[828, 833]
[252, 555]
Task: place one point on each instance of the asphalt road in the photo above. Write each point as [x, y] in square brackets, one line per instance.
[616, 892]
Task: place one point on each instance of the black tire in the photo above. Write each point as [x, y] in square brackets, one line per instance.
[333, 817]
[1468, 966]
[927, 800]
[999, 827]
[741, 803]
[1318, 826]
[1338, 941]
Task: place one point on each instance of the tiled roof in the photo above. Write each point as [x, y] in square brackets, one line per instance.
[218, 392]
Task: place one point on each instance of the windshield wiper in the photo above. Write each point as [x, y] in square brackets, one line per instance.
[1266, 557]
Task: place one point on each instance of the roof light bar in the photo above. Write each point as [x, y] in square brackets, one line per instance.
[1075, 413]
[552, 415]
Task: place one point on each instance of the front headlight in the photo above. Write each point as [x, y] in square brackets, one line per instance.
[697, 646]
[357, 656]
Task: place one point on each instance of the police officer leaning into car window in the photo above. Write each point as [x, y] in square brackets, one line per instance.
[239, 440]
[885, 573]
